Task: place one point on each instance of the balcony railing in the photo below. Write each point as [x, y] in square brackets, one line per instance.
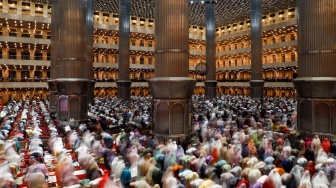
[11, 79]
[247, 27]
[26, 57]
[247, 80]
[115, 79]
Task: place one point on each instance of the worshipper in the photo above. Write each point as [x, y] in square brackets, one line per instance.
[6, 177]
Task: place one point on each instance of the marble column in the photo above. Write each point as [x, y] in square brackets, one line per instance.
[71, 85]
[210, 38]
[316, 81]
[124, 83]
[172, 88]
[257, 82]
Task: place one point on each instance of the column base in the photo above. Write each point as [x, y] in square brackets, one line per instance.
[70, 98]
[317, 115]
[210, 88]
[257, 87]
[172, 107]
[124, 89]
[53, 102]
[91, 92]
[180, 139]
[316, 104]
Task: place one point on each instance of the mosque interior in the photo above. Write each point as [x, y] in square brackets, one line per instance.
[25, 40]
[270, 122]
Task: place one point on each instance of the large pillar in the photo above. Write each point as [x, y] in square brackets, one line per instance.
[71, 59]
[256, 83]
[172, 88]
[124, 83]
[316, 81]
[210, 38]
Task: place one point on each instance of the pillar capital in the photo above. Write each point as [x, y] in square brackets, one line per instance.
[124, 89]
[211, 2]
[204, 1]
[257, 83]
[124, 83]
[211, 83]
[257, 87]
[316, 87]
[172, 87]
[210, 88]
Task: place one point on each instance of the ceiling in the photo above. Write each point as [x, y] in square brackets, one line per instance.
[227, 11]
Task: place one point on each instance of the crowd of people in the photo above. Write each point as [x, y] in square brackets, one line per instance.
[237, 142]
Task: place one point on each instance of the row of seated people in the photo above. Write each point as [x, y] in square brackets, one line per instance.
[24, 143]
